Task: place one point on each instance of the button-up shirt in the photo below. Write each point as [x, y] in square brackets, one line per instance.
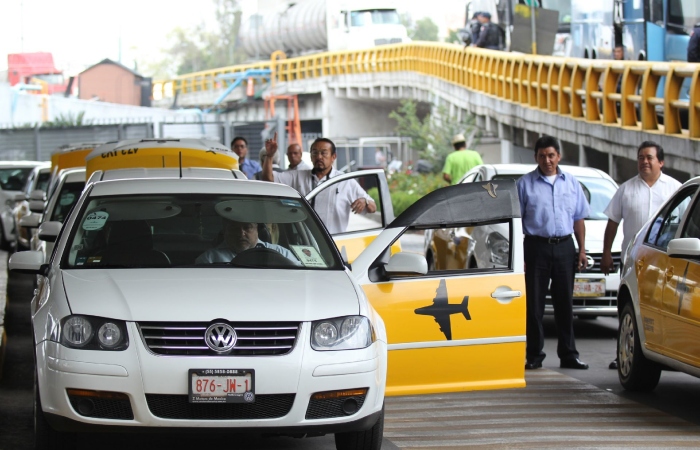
[333, 205]
[301, 166]
[635, 201]
[250, 168]
[550, 209]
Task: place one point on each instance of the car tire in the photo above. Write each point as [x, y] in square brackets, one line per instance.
[5, 244]
[362, 440]
[45, 437]
[635, 371]
[431, 262]
[587, 317]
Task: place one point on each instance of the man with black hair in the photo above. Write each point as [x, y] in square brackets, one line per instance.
[635, 201]
[490, 34]
[334, 205]
[248, 166]
[553, 206]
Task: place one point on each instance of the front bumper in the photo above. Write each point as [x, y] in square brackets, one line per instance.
[604, 305]
[157, 388]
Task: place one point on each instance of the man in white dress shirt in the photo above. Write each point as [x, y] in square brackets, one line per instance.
[334, 205]
[635, 201]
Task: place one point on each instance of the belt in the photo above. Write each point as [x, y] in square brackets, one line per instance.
[548, 240]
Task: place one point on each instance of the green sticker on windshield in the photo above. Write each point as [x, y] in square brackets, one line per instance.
[67, 199]
[95, 220]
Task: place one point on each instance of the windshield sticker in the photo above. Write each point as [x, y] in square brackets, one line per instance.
[293, 203]
[80, 261]
[95, 220]
[308, 256]
[67, 199]
[94, 260]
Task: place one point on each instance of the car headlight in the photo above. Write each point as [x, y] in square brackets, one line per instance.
[498, 248]
[92, 333]
[342, 333]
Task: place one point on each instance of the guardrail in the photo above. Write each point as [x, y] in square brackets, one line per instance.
[578, 88]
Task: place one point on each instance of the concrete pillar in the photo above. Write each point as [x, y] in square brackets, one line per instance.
[506, 151]
[582, 160]
[611, 166]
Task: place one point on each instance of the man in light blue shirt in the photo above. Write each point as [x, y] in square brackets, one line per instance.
[239, 237]
[553, 207]
[248, 166]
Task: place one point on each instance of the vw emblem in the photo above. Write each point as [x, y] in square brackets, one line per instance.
[590, 262]
[220, 337]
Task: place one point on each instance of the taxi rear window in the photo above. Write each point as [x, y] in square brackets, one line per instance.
[199, 230]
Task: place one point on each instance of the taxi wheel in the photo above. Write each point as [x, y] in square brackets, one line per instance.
[362, 440]
[45, 437]
[635, 371]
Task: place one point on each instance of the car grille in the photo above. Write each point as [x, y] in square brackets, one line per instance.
[331, 407]
[266, 406]
[254, 338]
[596, 265]
[102, 408]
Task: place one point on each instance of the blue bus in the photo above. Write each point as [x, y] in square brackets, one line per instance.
[656, 30]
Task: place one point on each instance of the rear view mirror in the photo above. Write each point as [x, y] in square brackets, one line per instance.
[36, 206]
[29, 221]
[27, 262]
[49, 231]
[20, 197]
[406, 264]
[37, 194]
[684, 248]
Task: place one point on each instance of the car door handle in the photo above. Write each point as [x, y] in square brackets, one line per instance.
[500, 295]
[669, 274]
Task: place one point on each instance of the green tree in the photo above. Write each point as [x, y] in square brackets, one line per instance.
[432, 135]
[453, 37]
[424, 30]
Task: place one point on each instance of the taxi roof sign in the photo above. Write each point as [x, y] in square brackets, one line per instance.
[71, 155]
[161, 153]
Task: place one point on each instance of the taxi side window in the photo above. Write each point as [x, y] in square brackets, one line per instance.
[666, 223]
[692, 224]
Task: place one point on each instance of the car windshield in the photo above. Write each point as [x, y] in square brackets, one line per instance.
[69, 194]
[598, 192]
[199, 230]
[13, 179]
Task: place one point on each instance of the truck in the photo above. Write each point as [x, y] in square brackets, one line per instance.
[35, 68]
[310, 26]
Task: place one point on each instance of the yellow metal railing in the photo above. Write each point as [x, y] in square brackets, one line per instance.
[577, 88]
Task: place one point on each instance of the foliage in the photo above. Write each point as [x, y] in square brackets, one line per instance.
[406, 189]
[202, 47]
[432, 136]
[453, 37]
[67, 120]
[422, 30]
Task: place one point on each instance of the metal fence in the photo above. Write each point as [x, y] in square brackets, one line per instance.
[38, 143]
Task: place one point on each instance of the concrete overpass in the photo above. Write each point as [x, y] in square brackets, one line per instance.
[515, 97]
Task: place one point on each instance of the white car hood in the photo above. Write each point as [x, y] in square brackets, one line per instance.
[595, 233]
[212, 293]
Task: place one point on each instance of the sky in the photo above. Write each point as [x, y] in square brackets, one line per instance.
[80, 33]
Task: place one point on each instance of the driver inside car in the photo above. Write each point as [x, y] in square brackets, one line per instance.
[239, 237]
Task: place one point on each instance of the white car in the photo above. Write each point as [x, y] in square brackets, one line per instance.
[13, 177]
[134, 327]
[37, 180]
[487, 246]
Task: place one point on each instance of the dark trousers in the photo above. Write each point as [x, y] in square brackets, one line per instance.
[545, 262]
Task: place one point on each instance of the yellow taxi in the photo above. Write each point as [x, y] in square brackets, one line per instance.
[659, 296]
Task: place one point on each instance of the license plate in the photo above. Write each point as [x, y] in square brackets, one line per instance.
[587, 287]
[221, 385]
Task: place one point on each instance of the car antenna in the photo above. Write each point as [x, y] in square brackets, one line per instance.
[181, 165]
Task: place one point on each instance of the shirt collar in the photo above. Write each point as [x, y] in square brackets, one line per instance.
[541, 175]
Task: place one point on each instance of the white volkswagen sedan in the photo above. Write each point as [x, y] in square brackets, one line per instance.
[202, 303]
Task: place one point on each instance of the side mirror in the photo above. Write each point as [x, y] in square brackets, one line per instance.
[37, 194]
[684, 248]
[30, 221]
[406, 264]
[36, 206]
[31, 262]
[20, 197]
[48, 231]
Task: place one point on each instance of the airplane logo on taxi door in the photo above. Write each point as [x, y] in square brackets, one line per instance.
[441, 310]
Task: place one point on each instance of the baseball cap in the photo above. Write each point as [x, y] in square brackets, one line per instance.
[486, 14]
[458, 138]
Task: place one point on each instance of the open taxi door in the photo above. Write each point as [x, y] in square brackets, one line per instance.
[362, 228]
[450, 330]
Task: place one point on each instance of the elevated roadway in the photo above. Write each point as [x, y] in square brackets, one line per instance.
[515, 97]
